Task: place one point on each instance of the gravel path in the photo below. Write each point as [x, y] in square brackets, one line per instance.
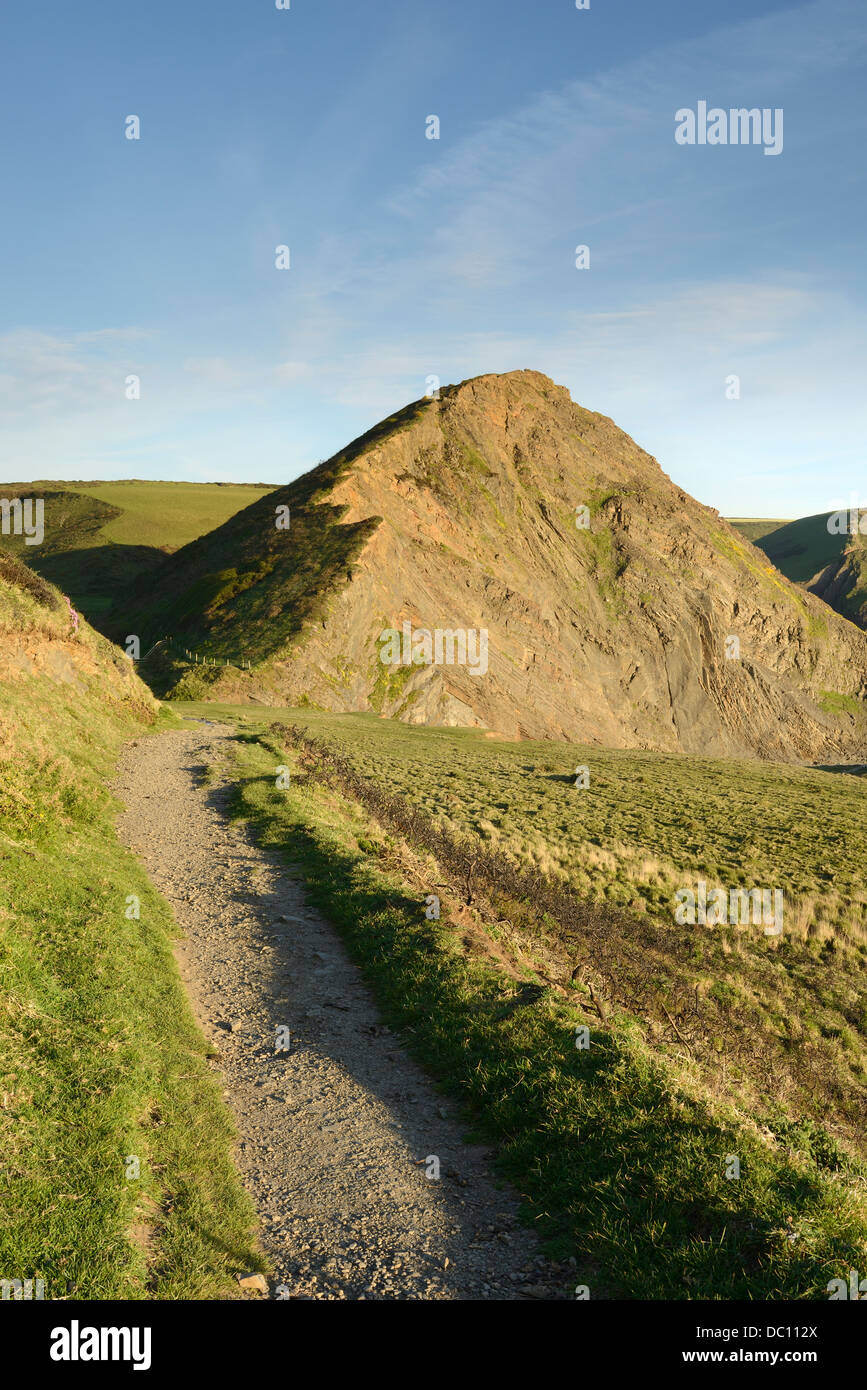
[335, 1132]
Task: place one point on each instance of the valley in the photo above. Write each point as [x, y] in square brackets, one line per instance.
[478, 756]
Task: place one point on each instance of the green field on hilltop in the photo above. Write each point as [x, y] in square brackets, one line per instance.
[167, 515]
[134, 511]
[104, 540]
[753, 528]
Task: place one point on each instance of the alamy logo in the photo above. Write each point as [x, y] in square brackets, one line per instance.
[737, 907]
[857, 1289]
[17, 518]
[737, 126]
[444, 647]
[77, 1343]
[849, 521]
[22, 1289]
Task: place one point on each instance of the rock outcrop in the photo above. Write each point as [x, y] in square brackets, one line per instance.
[617, 608]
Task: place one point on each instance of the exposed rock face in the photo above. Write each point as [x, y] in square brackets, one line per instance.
[656, 625]
[843, 583]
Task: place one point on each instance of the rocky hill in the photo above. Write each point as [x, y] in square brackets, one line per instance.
[617, 608]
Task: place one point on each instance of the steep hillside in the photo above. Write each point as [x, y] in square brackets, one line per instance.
[99, 1054]
[47, 647]
[802, 548]
[652, 625]
[830, 563]
[843, 582]
[102, 537]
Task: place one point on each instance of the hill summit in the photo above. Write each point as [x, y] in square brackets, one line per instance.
[575, 592]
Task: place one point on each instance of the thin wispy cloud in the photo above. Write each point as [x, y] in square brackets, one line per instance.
[457, 257]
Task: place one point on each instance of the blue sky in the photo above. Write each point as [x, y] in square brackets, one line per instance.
[413, 257]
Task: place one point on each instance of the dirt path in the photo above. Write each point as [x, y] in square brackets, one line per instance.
[336, 1131]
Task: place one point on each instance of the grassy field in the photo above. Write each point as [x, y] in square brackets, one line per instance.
[650, 825]
[167, 515]
[619, 1149]
[101, 1062]
[754, 528]
[101, 538]
[647, 825]
[161, 514]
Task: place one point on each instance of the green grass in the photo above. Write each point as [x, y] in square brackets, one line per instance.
[607, 560]
[619, 1150]
[754, 528]
[161, 514]
[648, 824]
[834, 703]
[802, 548]
[100, 1058]
[102, 538]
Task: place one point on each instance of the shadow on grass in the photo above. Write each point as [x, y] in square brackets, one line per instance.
[612, 1168]
[854, 769]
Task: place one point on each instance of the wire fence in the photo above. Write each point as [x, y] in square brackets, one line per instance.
[192, 657]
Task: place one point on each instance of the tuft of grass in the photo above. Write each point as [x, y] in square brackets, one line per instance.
[833, 702]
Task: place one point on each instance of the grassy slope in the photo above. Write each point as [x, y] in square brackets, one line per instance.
[648, 824]
[278, 581]
[167, 515]
[100, 1058]
[802, 548]
[754, 528]
[102, 537]
[619, 1150]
